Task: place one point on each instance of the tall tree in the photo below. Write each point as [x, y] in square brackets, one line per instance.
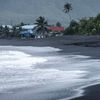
[41, 27]
[58, 24]
[1, 31]
[6, 31]
[67, 9]
[14, 31]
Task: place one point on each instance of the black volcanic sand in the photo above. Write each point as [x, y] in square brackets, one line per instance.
[66, 44]
[91, 93]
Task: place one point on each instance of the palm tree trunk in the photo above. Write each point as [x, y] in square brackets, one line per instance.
[70, 19]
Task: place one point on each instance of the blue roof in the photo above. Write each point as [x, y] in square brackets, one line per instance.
[29, 27]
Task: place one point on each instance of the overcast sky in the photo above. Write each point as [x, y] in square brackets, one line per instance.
[16, 11]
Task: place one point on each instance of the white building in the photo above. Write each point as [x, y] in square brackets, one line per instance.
[28, 31]
[9, 26]
[29, 27]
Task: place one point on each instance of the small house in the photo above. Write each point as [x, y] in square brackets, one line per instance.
[56, 30]
[8, 26]
[27, 31]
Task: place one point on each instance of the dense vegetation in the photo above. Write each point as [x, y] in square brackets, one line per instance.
[85, 26]
[6, 32]
[41, 28]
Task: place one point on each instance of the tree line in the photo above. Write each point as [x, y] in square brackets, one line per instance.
[85, 26]
[41, 28]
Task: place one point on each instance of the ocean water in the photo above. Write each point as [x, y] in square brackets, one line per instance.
[59, 76]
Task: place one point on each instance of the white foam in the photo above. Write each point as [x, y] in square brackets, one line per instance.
[17, 69]
[34, 49]
[17, 59]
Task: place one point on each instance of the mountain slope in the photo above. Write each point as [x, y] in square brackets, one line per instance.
[16, 11]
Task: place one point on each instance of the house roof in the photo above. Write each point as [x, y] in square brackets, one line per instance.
[56, 28]
[9, 26]
[29, 27]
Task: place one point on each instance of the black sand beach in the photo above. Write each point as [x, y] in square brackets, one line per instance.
[66, 44]
[91, 93]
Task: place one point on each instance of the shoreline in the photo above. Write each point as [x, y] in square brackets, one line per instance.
[65, 43]
[90, 92]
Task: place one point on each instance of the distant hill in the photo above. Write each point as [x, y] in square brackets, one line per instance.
[16, 11]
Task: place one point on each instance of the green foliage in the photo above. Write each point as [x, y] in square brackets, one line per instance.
[98, 17]
[67, 9]
[14, 31]
[1, 31]
[6, 31]
[72, 29]
[58, 24]
[86, 26]
[41, 26]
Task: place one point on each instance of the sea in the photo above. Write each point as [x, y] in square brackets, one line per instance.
[52, 74]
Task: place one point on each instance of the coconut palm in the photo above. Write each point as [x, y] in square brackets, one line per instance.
[41, 27]
[67, 9]
[6, 32]
[1, 31]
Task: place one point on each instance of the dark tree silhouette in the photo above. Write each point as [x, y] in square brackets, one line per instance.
[58, 24]
[67, 9]
[41, 27]
[6, 31]
[1, 31]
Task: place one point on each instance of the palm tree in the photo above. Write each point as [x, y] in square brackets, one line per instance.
[1, 31]
[15, 31]
[67, 9]
[41, 27]
[6, 31]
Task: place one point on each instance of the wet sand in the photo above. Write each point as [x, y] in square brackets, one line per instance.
[91, 93]
[65, 43]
